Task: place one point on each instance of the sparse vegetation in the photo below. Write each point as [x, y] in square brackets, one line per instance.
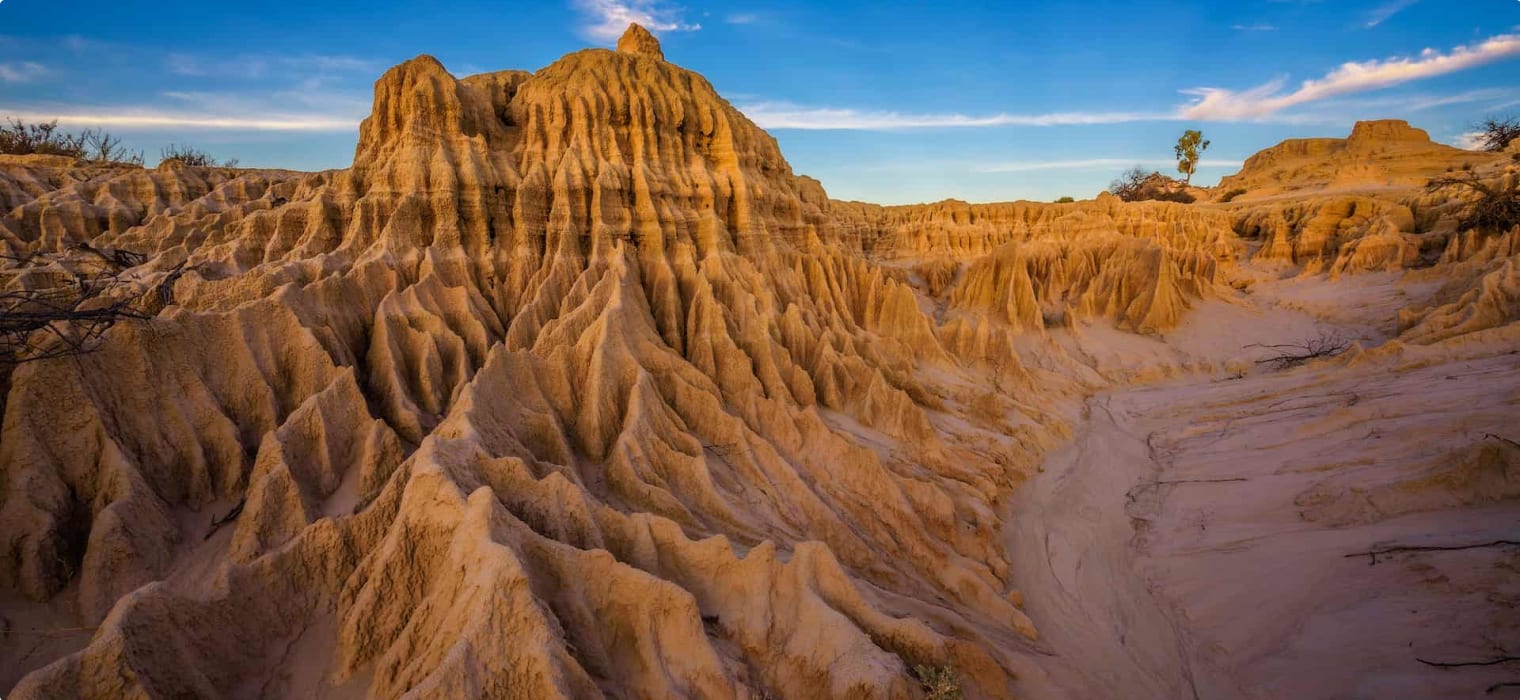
[1137, 184]
[1189, 148]
[1232, 194]
[939, 682]
[70, 316]
[1065, 200]
[1497, 208]
[193, 157]
[1497, 133]
[20, 138]
[1288, 355]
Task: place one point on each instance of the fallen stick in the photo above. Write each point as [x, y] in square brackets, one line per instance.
[1492, 436]
[217, 523]
[1373, 554]
[1455, 664]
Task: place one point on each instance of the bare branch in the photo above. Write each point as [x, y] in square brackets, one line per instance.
[1294, 354]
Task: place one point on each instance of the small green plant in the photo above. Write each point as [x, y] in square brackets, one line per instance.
[939, 682]
[1232, 194]
[1065, 200]
[193, 157]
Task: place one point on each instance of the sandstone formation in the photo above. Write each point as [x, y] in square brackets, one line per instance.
[570, 387]
[1378, 155]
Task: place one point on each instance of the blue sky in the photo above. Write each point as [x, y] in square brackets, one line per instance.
[882, 101]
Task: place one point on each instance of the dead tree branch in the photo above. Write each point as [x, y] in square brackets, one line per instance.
[217, 523]
[1374, 554]
[1294, 354]
[1500, 438]
[1456, 664]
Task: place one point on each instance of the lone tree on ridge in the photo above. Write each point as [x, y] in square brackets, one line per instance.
[1188, 149]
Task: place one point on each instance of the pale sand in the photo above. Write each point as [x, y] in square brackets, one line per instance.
[1191, 540]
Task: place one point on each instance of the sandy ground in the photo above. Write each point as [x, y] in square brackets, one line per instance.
[1198, 538]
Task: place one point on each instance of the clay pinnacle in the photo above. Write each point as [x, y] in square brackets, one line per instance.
[637, 41]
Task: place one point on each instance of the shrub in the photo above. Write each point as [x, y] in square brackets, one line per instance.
[1136, 185]
[193, 157]
[1496, 133]
[1065, 200]
[1232, 194]
[939, 682]
[1497, 207]
[20, 138]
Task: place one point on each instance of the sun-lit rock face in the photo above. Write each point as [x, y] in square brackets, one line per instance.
[569, 386]
[1378, 155]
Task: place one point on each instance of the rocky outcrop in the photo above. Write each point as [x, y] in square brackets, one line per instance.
[1378, 155]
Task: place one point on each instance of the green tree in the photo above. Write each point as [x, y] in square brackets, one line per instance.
[1188, 149]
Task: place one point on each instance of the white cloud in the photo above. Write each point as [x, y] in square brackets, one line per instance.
[607, 19]
[781, 115]
[1253, 28]
[261, 66]
[24, 72]
[146, 118]
[1472, 141]
[742, 18]
[1386, 11]
[1093, 164]
[1218, 104]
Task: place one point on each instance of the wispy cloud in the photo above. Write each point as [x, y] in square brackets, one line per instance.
[1218, 104]
[149, 118]
[1386, 11]
[1264, 102]
[1253, 28]
[23, 72]
[742, 18]
[781, 115]
[607, 19]
[262, 66]
[1092, 164]
[1472, 140]
[283, 110]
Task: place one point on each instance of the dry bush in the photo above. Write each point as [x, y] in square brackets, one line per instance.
[71, 316]
[1497, 208]
[1137, 184]
[1065, 200]
[1496, 133]
[939, 682]
[1232, 194]
[193, 157]
[20, 138]
[1288, 355]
